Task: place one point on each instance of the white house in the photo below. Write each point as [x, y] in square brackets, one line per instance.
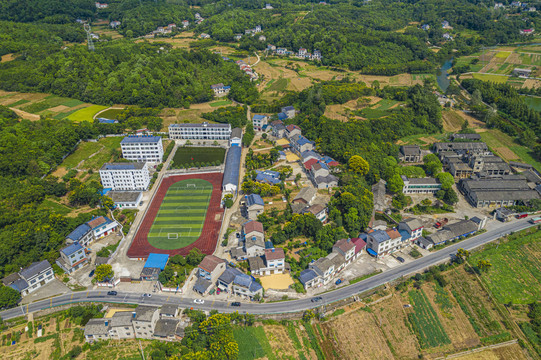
[125, 176]
[230, 180]
[126, 199]
[220, 89]
[236, 137]
[72, 257]
[413, 228]
[102, 226]
[30, 278]
[142, 148]
[258, 121]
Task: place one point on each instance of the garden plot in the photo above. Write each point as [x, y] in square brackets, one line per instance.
[345, 330]
[425, 321]
[282, 343]
[511, 352]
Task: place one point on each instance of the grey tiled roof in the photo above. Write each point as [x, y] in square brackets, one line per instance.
[35, 269]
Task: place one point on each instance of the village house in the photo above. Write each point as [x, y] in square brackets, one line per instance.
[144, 321]
[101, 5]
[410, 153]
[324, 268]
[237, 37]
[144, 148]
[278, 129]
[203, 35]
[346, 248]
[384, 242]
[309, 155]
[300, 144]
[225, 281]
[72, 257]
[220, 89]
[252, 238]
[270, 177]
[209, 270]
[524, 73]
[114, 24]
[316, 56]
[293, 130]
[169, 311]
[244, 285]
[31, 278]
[167, 329]
[272, 262]
[259, 122]
[289, 111]
[126, 199]
[236, 137]
[318, 210]
[254, 206]
[305, 196]
[465, 137]
[185, 23]
[412, 227]
[454, 231]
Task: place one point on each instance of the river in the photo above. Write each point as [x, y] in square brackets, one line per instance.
[443, 79]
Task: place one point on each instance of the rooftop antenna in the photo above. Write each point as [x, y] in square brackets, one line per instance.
[89, 37]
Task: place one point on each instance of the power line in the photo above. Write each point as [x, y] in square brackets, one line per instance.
[89, 37]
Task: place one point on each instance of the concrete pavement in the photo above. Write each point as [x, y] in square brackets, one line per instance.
[278, 307]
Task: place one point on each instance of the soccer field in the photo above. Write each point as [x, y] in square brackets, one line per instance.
[181, 216]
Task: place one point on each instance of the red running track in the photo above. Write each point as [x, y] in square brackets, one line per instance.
[140, 247]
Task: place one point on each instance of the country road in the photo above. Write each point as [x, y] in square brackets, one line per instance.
[277, 307]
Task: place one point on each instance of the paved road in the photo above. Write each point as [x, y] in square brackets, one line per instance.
[277, 307]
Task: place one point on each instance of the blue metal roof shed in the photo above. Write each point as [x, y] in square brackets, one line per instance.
[156, 261]
[73, 248]
[254, 199]
[232, 166]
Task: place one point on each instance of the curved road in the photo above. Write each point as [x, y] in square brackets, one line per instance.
[277, 307]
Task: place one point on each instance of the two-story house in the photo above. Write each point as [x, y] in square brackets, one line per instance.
[209, 270]
[325, 268]
[259, 121]
[299, 144]
[244, 285]
[254, 238]
[30, 278]
[275, 260]
[120, 325]
[292, 130]
[102, 226]
[82, 234]
[346, 248]
[219, 89]
[254, 206]
[413, 227]
[278, 129]
[289, 111]
[381, 243]
[305, 196]
[225, 281]
[72, 257]
[318, 210]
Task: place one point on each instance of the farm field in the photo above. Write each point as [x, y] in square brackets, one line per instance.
[221, 103]
[92, 155]
[110, 114]
[189, 155]
[181, 216]
[533, 102]
[504, 146]
[515, 276]
[86, 114]
[253, 343]
[425, 322]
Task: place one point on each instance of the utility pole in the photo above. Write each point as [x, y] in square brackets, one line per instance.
[142, 352]
[89, 37]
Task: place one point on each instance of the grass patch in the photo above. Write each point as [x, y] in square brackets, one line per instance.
[111, 113]
[181, 215]
[515, 275]
[87, 113]
[338, 312]
[20, 102]
[503, 54]
[253, 343]
[188, 155]
[278, 85]
[499, 79]
[221, 103]
[425, 322]
[56, 207]
[533, 102]
[50, 102]
[364, 277]
[100, 150]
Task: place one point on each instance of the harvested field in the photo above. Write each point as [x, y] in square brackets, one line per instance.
[392, 319]
[531, 84]
[276, 281]
[281, 342]
[511, 352]
[452, 121]
[453, 319]
[299, 83]
[7, 57]
[506, 153]
[370, 347]
[26, 115]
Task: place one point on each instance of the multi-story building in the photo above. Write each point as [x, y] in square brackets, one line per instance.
[144, 321]
[244, 285]
[203, 131]
[410, 153]
[30, 278]
[412, 227]
[289, 111]
[381, 243]
[125, 176]
[72, 257]
[91, 230]
[259, 121]
[420, 185]
[220, 89]
[209, 270]
[346, 248]
[142, 148]
[503, 191]
[254, 206]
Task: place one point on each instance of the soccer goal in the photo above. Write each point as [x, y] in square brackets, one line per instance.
[172, 235]
[191, 186]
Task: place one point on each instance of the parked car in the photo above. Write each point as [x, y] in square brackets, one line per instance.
[91, 273]
[112, 293]
[338, 282]
[236, 303]
[238, 235]
[317, 298]
[199, 301]
[401, 259]
[146, 295]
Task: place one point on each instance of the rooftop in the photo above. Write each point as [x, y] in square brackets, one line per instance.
[380, 236]
[259, 117]
[359, 244]
[200, 125]
[274, 254]
[413, 223]
[253, 225]
[229, 275]
[306, 194]
[410, 150]
[201, 285]
[254, 199]
[210, 262]
[345, 245]
[96, 327]
[166, 327]
[255, 263]
[79, 232]
[124, 196]
[314, 209]
[34, 269]
[236, 133]
[307, 275]
[123, 166]
[144, 313]
[232, 166]
[140, 139]
[156, 261]
[70, 249]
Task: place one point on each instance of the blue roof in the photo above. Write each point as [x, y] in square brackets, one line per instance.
[259, 117]
[269, 245]
[288, 108]
[19, 285]
[268, 176]
[140, 139]
[79, 232]
[371, 252]
[302, 140]
[363, 236]
[405, 234]
[282, 116]
[156, 261]
[254, 286]
[254, 199]
[232, 166]
[227, 87]
[307, 275]
[229, 275]
[106, 121]
[73, 248]
[327, 159]
[380, 236]
[281, 153]
[243, 280]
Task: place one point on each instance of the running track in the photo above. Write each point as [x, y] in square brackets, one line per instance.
[140, 247]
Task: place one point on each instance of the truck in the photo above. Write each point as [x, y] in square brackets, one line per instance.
[536, 220]
[441, 223]
[522, 215]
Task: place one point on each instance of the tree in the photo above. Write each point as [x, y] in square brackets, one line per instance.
[228, 200]
[395, 184]
[527, 138]
[358, 165]
[9, 297]
[484, 265]
[462, 254]
[107, 202]
[446, 180]
[194, 257]
[450, 197]
[104, 272]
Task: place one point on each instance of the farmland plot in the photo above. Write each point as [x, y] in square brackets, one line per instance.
[425, 321]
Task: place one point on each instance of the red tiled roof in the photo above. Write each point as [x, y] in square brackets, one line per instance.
[274, 254]
[333, 163]
[393, 233]
[210, 262]
[309, 163]
[359, 244]
[290, 128]
[96, 222]
[253, 226]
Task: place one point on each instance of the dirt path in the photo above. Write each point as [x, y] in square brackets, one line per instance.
[26, 115]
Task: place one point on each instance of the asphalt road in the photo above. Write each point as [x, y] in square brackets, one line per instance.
[277, 307]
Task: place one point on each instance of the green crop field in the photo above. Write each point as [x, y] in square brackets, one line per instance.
[515, 275]
[50, 101]
[221, 103]
[533, 102]
[278, 85]
[87, 113]
[100, 151]
[499, 79]
[110, 114]
[187, 155]
[181, 215]
[253, 343]
[425, 322]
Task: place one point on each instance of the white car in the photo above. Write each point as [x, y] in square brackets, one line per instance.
[199, 301]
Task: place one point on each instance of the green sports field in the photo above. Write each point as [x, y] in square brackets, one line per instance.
[181, 215]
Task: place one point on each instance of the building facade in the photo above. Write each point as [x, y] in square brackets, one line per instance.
[125, 176]
[204, 131]
[142, 148]
[420, 185]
